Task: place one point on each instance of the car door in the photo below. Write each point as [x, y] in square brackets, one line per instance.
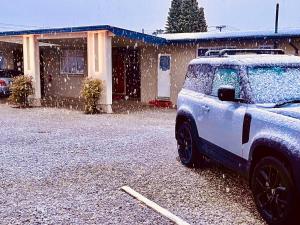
[197, 85]
[221, 123]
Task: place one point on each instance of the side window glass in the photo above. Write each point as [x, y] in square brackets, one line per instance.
[199, 78]
[226, 76]
[190, 78]
[204, 78]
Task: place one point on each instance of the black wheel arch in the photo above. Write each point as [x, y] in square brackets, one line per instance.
[264, 147]
[185, 116]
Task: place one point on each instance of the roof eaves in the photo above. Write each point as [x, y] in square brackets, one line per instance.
[120, 32]
[238, 38]
[117, 31]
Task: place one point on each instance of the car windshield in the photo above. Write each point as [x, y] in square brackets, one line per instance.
[273, 84]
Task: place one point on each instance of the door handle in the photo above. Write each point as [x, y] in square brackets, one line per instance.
[205, 108]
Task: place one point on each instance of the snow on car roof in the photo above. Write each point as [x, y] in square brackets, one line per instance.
[231, 35]
[248, 59]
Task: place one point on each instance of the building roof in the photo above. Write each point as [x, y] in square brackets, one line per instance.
[166, 38]
[211, 36]
[120, 32]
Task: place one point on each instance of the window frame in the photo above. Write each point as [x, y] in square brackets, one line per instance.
[80, 53]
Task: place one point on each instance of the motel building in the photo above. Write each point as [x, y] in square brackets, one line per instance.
[133, 66]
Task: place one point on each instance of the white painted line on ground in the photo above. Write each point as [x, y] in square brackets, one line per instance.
[154, 206]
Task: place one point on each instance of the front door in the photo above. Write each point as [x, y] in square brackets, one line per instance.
[118, 73]
[164, 79]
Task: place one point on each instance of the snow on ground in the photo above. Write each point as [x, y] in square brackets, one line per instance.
[63, 167]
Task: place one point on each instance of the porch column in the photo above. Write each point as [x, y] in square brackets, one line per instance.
[100, 64]
[31, 57]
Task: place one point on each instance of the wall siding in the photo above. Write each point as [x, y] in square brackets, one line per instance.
[61, 85]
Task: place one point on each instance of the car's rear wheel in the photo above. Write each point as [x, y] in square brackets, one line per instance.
[273, 191]
[187, 147]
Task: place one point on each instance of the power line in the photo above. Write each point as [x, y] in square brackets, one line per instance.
[10, 25]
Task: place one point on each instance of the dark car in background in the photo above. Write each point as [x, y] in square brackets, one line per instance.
[6, 78]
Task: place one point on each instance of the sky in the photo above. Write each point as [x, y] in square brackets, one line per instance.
[144, 14]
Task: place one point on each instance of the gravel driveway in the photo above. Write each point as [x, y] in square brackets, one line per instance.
[62, 167]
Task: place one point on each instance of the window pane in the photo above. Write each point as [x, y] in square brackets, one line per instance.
[165, 63]
[72, 62]
[199, 78]
[272, 84]
[80, 64]
[2, 62]
[226, 76]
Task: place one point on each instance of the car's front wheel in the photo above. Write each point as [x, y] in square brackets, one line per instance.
[274, 192]
[187, 147]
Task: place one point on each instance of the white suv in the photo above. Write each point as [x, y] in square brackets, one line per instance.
[241, 108]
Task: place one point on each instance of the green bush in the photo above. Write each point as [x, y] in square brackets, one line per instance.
[21, 88]
[91, 92]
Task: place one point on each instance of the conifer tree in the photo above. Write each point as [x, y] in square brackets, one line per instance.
[192, 17]
[185, 16]
[174, 17]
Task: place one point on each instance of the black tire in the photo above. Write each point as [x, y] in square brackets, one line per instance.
[274, 192]
[187, 146]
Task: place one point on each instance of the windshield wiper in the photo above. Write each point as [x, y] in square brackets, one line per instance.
[279, 104]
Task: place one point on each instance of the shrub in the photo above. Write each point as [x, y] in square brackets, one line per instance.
[91, 92]
[21, 88]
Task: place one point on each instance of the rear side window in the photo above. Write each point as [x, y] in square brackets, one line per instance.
[226, 76]
[199, 78]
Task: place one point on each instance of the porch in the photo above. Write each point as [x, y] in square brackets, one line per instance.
[59, 62]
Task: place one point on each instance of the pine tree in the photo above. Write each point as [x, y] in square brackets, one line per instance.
[174, 17]
[192, 17]
[186, 16]
[202, 21]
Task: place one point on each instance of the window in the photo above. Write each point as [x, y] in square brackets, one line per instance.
[199, 78]
[226, 76]
[2, 62]
[274, 83]
[72, 62]
[165, 63]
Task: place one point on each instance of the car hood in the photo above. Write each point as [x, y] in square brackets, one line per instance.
[292, 110]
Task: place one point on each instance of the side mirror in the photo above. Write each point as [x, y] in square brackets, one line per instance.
[226, 93]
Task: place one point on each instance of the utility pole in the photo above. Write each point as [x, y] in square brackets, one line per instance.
[220, 28]
[277, 18]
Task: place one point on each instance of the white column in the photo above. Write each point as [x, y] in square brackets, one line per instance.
[31, 57]
[100, 64]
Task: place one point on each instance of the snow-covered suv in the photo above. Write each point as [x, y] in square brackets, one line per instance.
[241, 108]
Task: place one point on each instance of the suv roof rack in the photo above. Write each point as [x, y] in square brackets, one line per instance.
[223, 52]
